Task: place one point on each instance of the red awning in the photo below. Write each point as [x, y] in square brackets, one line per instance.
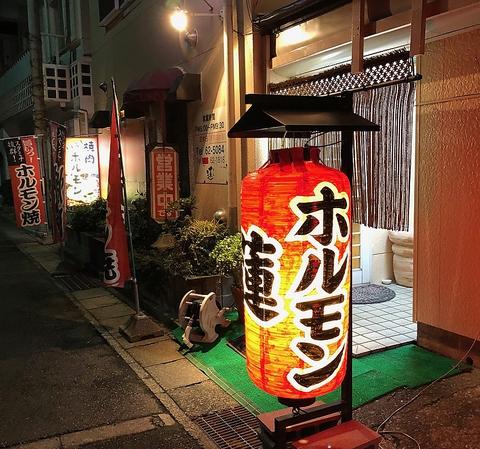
[153, 86]
[172, 84]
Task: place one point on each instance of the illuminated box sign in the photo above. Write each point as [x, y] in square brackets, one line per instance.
[164, 181]
[82, 170]
[25, 176]
[296, 231]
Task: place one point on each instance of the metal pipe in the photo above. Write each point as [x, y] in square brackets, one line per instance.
[230, 87]
[241, 81]
[136, 296]
[347, 387]
[39, 111]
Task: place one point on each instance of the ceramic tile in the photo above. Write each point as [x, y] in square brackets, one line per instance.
[373, 336]
[389, 342]
[411, 335]
[374, 345]
[403, 338]
[389, 332]
[375, 327]
[360, 349]
[359, 339]
[359, 329]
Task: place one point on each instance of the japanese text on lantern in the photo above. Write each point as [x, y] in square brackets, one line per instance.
[164, 185]
[82, 170]
[316, 293]
[261, 277]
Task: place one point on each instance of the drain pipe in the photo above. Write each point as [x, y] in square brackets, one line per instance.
[240, 14]
[230, 87]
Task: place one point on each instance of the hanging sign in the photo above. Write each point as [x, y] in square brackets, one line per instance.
[296, 233]
[82, 170]
[25, 176]
[210, 148]
[57, 143]
[164, 181]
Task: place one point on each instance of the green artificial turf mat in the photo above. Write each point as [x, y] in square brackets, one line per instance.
[373, 375]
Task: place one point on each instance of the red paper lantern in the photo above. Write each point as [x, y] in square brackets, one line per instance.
[296, 231]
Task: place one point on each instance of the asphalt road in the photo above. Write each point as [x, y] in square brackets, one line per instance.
[57, 374]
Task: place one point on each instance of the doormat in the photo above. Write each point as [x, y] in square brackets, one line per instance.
[371, 294]
[373, 375]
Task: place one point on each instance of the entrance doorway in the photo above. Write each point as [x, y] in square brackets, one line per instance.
[386, 324]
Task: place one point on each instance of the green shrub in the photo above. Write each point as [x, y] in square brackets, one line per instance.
[88, 217]
[228, 258]
[191, 254]
[145, 230]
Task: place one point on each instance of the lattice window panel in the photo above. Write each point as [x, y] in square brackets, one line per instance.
[56, 82]
[81, 79]
[395, 66]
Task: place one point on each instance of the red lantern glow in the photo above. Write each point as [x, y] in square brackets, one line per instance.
[296, 230]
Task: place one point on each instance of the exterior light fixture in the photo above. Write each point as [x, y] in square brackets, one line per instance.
[296, 238]
[179, 19]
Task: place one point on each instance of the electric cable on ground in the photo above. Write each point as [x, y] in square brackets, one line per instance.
[399, 409]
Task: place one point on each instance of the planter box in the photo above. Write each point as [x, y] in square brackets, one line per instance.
[84, 250]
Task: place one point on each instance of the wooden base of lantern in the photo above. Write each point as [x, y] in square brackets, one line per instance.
[282, 426]
[349, 435]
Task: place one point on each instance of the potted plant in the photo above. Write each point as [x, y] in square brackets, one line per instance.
[228, 258]
[171, 270]
[85, 230]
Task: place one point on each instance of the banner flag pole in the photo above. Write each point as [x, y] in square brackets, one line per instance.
[139, 326]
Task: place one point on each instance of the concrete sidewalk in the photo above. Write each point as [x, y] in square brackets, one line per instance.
[446, 416]
[182, 389]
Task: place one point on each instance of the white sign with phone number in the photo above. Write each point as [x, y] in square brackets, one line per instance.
[209, 140]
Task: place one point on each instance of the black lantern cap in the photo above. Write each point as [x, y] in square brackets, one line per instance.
[298, 116]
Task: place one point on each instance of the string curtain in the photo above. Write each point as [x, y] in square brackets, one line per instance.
[382, 160]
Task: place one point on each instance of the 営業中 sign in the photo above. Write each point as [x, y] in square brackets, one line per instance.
[164, 181]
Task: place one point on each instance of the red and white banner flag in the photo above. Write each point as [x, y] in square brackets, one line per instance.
[58, 135]
[25, 176]
[117, 265]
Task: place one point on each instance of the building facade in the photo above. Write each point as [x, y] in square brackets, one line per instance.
[186, 89]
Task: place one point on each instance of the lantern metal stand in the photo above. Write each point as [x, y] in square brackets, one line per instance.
[282, 116]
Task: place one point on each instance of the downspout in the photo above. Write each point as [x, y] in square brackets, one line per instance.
[259, 62]
[241, 81]
[230, 90]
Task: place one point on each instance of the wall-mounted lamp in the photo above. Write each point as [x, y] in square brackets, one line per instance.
[179, 20]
